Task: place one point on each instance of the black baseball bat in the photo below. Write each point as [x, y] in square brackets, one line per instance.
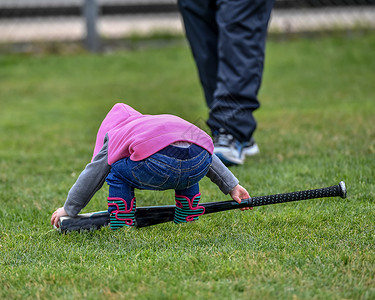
[152, 215]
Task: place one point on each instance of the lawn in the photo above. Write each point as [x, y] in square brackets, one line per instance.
[316, 127]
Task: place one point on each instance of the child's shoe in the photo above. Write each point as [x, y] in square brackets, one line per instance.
[187, 210]
[120, 215]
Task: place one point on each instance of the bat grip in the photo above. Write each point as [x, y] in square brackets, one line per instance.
[331, 191]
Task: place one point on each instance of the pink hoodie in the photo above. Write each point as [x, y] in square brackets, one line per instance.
[133, 134]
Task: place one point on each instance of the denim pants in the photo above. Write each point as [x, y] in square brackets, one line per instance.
[227, 39]
[171, 168]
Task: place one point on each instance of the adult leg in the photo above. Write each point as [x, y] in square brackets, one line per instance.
[242, 27]
[201, 31]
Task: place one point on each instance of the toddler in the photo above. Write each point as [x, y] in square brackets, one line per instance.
[152, 152]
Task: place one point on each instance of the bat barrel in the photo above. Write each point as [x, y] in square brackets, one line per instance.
[90, 221]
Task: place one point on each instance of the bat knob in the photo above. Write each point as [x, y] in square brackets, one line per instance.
[342, 189]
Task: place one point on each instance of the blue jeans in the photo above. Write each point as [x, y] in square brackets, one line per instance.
[171, 168]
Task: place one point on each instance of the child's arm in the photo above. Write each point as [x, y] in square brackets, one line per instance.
[60, 212]
[238, 193]
[221, 175]
[88, 183]
[226, 181]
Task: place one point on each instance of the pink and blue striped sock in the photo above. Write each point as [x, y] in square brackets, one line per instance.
[187, 209]
[121, 215]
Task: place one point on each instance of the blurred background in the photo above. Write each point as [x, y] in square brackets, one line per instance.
[101, 24]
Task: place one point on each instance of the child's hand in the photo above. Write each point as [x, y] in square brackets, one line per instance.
[60, 212]
[239, 193]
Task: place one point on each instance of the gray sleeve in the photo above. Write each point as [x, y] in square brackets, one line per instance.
[221, 175]
[89, 182]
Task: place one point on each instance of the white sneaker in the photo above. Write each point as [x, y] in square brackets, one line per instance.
[251, 148]
[228, 149]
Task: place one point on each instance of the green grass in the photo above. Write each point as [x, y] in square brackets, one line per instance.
[316, 127]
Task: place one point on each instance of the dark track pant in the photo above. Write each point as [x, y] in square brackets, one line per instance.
[227, 39]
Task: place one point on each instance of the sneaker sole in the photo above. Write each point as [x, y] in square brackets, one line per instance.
[250, 151]
[226, 158]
